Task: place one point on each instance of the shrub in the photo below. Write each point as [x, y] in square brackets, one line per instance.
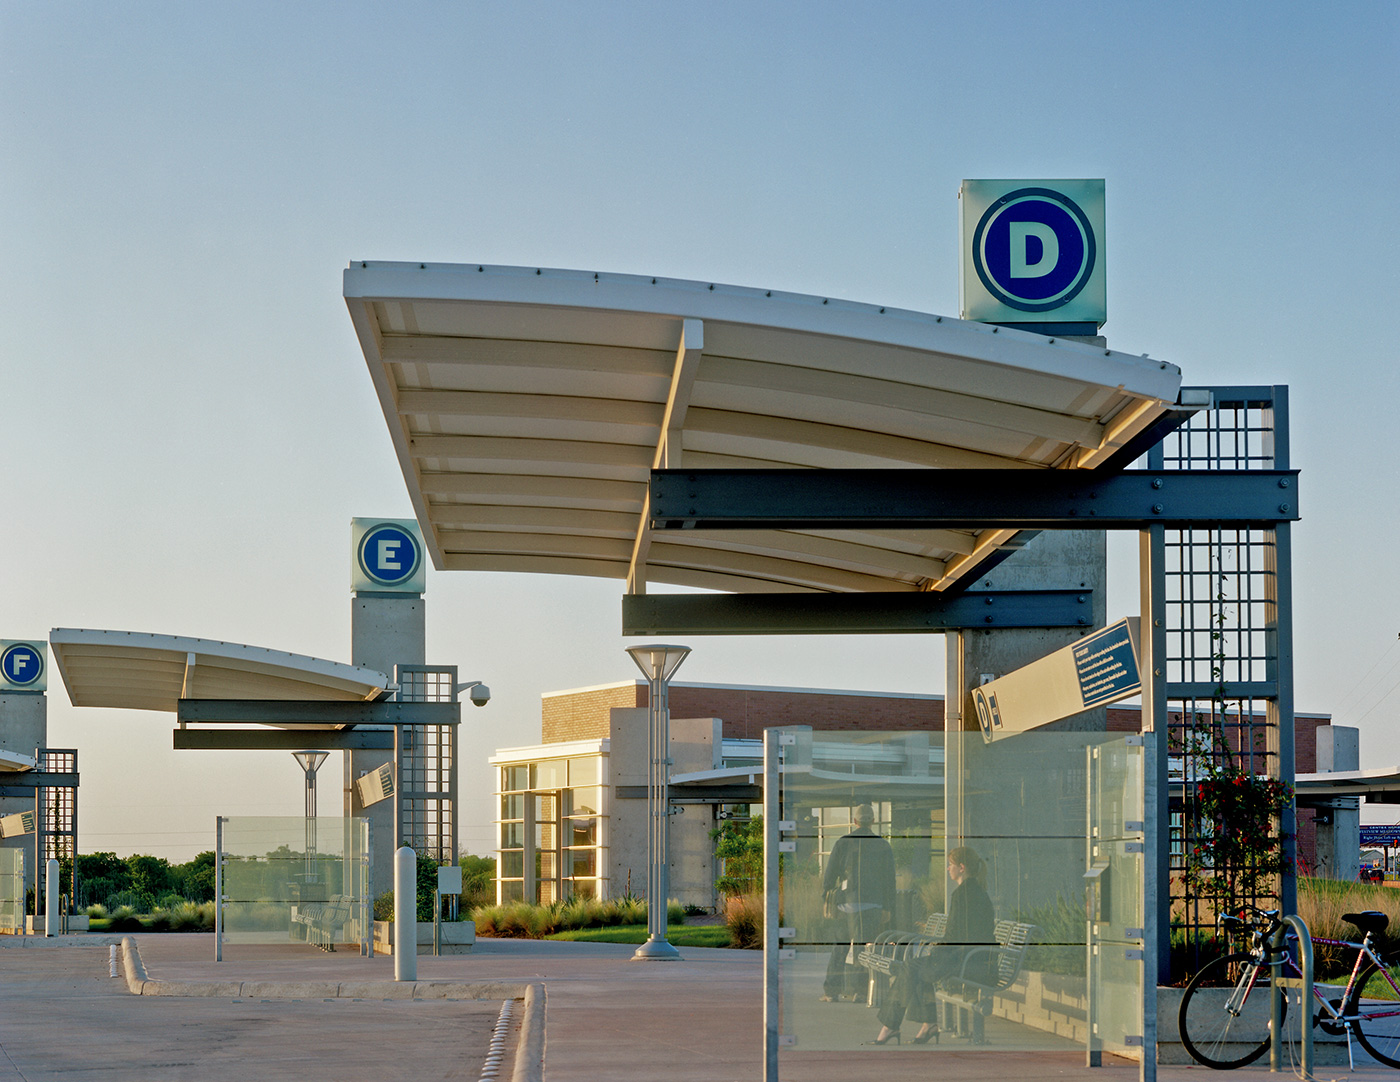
[743, 915]
[1321, 903]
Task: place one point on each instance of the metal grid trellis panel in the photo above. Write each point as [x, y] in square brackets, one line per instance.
[1221, 592]
[427, 763]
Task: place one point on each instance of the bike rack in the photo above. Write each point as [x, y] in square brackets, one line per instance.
[1276, 991]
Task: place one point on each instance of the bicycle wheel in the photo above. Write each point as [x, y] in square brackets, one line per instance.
[1224, 1016]
[1377, 1024]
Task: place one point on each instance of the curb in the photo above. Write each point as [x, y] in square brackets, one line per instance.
[529, 1053]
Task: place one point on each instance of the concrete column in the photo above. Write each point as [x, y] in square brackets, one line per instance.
[1339, 828]
[24, 726]
[1053, 560]
[385, 630]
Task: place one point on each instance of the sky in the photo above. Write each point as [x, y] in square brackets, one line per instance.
[188, 422]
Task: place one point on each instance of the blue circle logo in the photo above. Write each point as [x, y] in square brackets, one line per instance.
[389, 554]
[1034, 249]
[21, 664]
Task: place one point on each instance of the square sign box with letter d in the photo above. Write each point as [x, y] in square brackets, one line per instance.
[1033, 251]
[387, 556]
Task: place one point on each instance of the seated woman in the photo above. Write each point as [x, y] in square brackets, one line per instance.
[971, 923]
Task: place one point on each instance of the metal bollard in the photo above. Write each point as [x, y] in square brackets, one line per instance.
[405, 915]
[112, 959]
[50, 896]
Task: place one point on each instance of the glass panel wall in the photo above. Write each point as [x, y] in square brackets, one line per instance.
[551, 829]
[295, 879]
[995, 901]
[11, 890]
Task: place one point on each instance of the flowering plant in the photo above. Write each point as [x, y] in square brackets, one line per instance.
[1239, 848]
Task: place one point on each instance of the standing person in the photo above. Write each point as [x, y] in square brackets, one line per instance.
[858, 884]
[971, 923]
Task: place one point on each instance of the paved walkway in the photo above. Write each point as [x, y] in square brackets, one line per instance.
[601, 1017]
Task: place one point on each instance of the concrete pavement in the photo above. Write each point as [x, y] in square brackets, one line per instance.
[284, 1012]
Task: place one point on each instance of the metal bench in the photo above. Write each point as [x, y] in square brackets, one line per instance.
[323, 921]
[963, 1004]
[892, 949]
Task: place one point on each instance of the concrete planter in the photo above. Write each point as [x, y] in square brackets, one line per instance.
[76, 923]
[1327, 1050]
[457, 937]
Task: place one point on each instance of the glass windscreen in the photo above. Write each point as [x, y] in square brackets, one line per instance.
[292, 879]
[11, 890]
[964, 895]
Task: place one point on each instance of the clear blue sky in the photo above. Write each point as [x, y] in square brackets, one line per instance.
[189, 426]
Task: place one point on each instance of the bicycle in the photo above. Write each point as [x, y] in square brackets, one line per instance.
[1224, 1034]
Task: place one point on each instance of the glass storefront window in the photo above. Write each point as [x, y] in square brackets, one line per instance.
[587, 801]
[512, 891]
[515, 778]
[512, 835]
[581, 831]
[583, 862]
[551, 774]
[585, 771]
[513, 806]
[512, 864]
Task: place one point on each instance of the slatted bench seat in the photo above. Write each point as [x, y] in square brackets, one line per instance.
[963, 1004]
[323, 921]
[892, 949]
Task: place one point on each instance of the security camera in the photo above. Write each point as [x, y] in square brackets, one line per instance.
[480, 695]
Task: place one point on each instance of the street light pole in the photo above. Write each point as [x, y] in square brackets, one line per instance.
[310, 762]
[658, 663]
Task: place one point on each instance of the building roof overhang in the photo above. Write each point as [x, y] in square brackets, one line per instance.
[529, 406]
[138, 671]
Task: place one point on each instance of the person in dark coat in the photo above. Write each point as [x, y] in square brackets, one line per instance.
[858, 884]
[971, 923]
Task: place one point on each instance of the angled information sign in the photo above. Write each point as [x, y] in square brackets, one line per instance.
[376, 785]
[12, 826]
[1099, 669]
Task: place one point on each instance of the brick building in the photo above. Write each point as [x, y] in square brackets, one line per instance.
[569, 820]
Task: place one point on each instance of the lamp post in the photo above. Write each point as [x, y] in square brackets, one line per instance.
[310, 762]
[658, 663]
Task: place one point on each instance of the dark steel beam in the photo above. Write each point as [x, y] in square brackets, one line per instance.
[851, 614]
[24, 782]
[317, 712]
[284, 739]
[971, 499]
[697, 794]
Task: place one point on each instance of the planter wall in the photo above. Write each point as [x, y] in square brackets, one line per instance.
[457, 937]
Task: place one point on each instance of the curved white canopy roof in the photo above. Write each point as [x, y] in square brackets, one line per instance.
[13, 761]
[527, 407]
[138, 671]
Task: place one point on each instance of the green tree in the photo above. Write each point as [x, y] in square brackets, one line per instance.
[740, 845]
[149, 875]
[478, 881]
[195, 879]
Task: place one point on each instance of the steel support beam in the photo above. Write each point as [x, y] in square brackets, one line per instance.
[317, 712]
[284, 739]
[698, 794]
[971, 499]
[851, 614]
[24, 782]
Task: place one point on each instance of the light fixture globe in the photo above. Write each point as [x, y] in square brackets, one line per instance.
[658, 661]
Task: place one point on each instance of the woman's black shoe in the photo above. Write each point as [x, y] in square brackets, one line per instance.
[892, 1036]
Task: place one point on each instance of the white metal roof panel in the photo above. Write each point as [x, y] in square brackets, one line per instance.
[527, 407]
[139, 671]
